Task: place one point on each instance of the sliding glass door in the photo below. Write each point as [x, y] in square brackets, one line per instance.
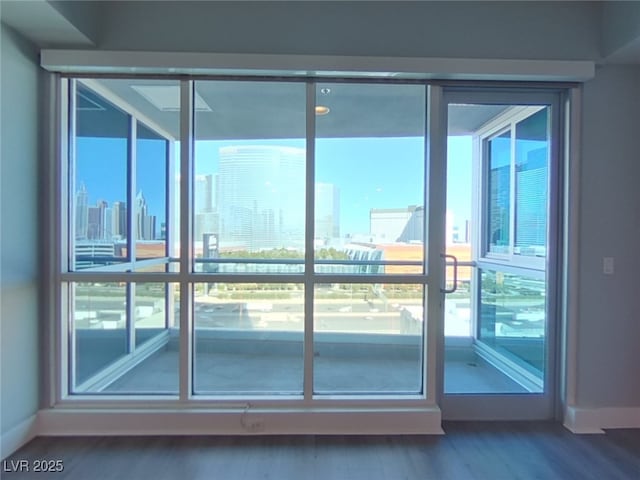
[502, 214]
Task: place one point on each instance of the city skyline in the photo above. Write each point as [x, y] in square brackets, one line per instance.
[358, 169]
[101, 222]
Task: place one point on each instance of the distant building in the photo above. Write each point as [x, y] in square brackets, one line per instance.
[261, 197]
[402, 252]
[204, 194]
[397, 224]
[119, 220]
[205, 222]
[531, 204]
[92, 254]
[145, 223]
[94, 223]
[499, 205]
[327, 211]
[82, 214]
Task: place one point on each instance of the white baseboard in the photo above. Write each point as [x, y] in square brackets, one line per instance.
[595, 420]
[18, 436]
[64, 422]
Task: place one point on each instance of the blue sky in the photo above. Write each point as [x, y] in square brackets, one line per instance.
[370, 172]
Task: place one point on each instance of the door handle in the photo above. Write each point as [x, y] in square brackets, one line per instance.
[453, 258]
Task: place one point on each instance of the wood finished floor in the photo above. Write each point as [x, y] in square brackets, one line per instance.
[469, 450]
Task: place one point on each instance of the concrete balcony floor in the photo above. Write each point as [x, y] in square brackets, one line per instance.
[337, 370]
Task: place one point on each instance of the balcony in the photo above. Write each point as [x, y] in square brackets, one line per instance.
[365, 344]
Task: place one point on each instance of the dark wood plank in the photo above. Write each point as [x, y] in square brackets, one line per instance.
[468, 451]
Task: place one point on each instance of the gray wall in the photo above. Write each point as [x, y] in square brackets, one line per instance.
[620, 24]
[609, 328]
[530, 30]
[20, 246]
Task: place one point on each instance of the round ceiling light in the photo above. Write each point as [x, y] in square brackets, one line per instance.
[322, 110]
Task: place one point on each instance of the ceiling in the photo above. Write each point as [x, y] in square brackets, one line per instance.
[229, 109]
[238, 110]
[609, 31]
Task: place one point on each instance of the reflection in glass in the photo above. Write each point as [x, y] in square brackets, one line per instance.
[99, 328]
[155, 331]
[150, 316]
[369, 190]
[248, 338]
[532, 165]
[249, 201]
[99, 187]
[368, 338]
[499, 191]
[513, 317]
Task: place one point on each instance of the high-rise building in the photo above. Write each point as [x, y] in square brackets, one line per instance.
[82, 214]
[262, 197]
[499, 205]
[397, 224]
[531, 203]
[205, 222]
[119, 220]
[108, 223]
[94, 223]
[327, 211]
[203, 194]
[145, 223]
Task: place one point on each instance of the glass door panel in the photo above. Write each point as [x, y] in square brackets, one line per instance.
[248, 338]
[497, 323]
[368, 338]
[369, 210]
[369, 179]
[249, 220]
[512, 322]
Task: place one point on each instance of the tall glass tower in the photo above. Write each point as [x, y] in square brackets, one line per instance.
[262, 197]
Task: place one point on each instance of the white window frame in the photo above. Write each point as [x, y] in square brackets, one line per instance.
[507, 121]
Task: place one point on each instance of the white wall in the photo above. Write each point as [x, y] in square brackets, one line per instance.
[20, 246]
[609, 317]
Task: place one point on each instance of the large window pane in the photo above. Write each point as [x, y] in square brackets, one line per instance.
[249, 202]
[99, 331]
[368, 338]
[99, 183]
[369, 191]
[532, 165]
[513, 317]
[248, 338]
